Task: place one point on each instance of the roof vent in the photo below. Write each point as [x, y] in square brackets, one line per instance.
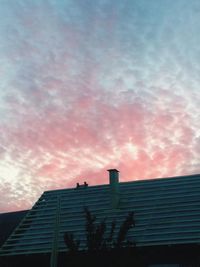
[81, 186]
[114, 187]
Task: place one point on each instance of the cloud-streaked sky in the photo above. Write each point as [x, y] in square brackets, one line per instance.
[87, 85]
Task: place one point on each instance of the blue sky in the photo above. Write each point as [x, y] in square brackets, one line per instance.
[90, 85]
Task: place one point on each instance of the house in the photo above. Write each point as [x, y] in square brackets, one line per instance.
[166, 213]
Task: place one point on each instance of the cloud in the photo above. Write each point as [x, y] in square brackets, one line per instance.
[88, 88]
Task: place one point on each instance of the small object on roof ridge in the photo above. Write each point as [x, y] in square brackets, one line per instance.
[81, 186]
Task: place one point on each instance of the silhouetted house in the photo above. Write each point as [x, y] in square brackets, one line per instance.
[166, 212]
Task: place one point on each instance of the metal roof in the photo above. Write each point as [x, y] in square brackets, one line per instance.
[167, 212]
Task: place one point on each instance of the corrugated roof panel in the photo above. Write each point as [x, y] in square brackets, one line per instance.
[166, 211]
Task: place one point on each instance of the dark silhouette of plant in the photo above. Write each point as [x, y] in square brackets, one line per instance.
[95, 234]
[90, 229]
[109, 240]
[124, 228]
[71, 243]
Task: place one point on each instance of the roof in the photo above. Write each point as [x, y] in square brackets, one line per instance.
[8, 222]
[167, 212]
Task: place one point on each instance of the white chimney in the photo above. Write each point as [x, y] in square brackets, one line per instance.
[114, 187]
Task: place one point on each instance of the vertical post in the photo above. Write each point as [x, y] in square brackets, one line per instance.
[54, 252]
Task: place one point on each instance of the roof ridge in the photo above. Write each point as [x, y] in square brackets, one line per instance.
[131, 181]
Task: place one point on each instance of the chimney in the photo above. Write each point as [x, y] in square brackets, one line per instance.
[114, 187]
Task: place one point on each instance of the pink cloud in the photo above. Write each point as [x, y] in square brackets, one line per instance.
[80, 100]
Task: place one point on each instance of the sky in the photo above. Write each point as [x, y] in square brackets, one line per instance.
[89, 85]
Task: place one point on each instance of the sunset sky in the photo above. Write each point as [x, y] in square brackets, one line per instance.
[88, 85]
